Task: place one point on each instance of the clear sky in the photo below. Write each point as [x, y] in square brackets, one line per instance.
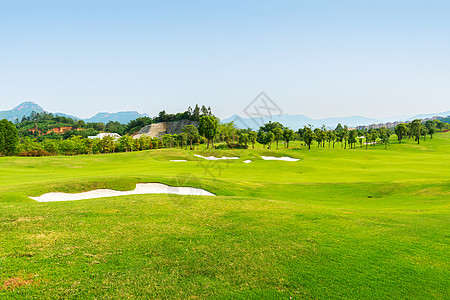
[318, 58]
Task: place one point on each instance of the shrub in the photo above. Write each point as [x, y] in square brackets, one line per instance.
[35, 153]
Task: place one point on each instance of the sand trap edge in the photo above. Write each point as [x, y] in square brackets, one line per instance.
[141, 189]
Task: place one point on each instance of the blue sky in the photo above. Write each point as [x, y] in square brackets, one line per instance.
[317, 58]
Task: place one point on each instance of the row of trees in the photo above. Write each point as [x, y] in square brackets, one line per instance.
[210, 131]
[8, 138]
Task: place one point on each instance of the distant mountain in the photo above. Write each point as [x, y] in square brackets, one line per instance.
[66, 115]
[298, 121]
[424, 116]
[26, 108]
[123, 117]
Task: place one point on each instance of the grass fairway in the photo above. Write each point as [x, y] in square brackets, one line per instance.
[363, 224]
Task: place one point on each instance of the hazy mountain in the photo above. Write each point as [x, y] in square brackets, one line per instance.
[424, 116]
[298, 121]
[26, 108]
[123, 117]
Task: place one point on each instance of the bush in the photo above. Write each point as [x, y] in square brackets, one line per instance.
[231, 146]
[35, 153]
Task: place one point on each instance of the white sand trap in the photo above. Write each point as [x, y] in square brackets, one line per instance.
[178, 160]
[247, 161]
[141, 189]
[215, 158]
[284, 158]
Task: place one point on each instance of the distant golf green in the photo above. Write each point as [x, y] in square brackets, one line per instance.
[338, 223]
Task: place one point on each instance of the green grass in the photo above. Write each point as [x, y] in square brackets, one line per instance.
[363, 224]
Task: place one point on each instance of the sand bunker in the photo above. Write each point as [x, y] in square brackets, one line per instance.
[284, 158]
[178, 160]
[215, 158]
[141, 189]
[247, 161]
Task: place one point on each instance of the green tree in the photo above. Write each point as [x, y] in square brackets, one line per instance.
[319, 136]
[191, 133]
[278, 134]
[107, 144]
[352, 136]
[270, 137]
[126, 143]
[243, 138]
[431, 127]
[331, 137]
[384, 136]
[308, 136]
[401, 130]
[416, 129]
[209, 128]
[9, 139]
[252, 137]
[261, 137]
[288, 135]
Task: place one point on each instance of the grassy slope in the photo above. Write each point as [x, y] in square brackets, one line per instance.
[339, 223]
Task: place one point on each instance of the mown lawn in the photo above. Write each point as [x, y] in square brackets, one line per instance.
[363, 224]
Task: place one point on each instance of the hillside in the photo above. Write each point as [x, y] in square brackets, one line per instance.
[26, 108]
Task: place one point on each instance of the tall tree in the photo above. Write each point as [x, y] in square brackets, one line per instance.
[384, 136]
[261, 137]
[9, 139]
[252, 137]
[352, 135]
[270, 137]
[209, 128]
[416, 129]
[308, 136]
[431, 127]
[401, 130]
[191, 133]
[278, 134]
[288, 135]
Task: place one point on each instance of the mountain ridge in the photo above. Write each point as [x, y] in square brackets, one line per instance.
[27, 107]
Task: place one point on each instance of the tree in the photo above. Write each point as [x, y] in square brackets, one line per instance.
[401, 130]
[271, 126]
[191, 133]
[431, 127]
[384, 136]
[270, 138]
[168, 140]
[243, 138]
[278, 134]
[319, 136]
[9, 139]
[252, 137]
[367, 135]
[196, 113]
[288, 135]
[126, 143]
[261, 138]
[308, 136]
[352, 135]
[339, 128]
[209, 128]
[373, 137]
[416, 129]
[107, 144]
[331, 137]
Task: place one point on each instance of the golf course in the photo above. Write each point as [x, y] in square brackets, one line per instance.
[338, 223]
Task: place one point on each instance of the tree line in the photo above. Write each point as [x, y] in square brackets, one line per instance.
[209, 132]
